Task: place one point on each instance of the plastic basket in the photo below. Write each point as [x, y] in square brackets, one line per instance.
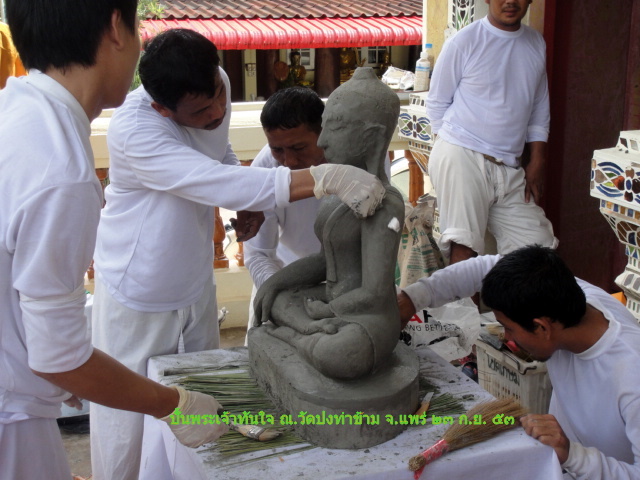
[502, 374]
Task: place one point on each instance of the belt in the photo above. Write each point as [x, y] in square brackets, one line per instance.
[494, 160]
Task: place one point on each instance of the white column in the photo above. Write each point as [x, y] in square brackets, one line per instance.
[425, 28]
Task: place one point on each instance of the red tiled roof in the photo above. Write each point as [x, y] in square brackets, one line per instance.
[278, 9]
[268, 34]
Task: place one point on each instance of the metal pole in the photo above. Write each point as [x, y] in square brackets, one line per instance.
[2, 14]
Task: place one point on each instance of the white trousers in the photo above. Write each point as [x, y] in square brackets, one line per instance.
[33, 448]
[132, 337]
[475, 194]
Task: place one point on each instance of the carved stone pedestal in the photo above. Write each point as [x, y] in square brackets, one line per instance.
[333, 413]
[615, 180]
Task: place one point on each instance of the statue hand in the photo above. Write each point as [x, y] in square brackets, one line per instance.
[262, 305]
[329, 326]
[317, 309]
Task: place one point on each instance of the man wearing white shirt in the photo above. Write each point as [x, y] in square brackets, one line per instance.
[292, 121]
[589, 340]
[81, 57]
[488, 98]
[170, 164]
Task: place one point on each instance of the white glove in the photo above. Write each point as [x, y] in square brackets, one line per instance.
[197, 404]
[357, 188]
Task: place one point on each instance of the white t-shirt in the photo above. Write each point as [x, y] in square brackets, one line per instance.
[598, 404]
[489, 90]
[50, 200]
[285, 236]
[154, 249]
[596, 393]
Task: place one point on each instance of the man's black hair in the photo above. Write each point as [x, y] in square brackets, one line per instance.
[179, 62]
[292, 107]
[534, 282]
[65, 32]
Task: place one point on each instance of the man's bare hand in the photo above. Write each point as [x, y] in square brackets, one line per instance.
[534, 187]
[247, 224]
[74, 402]
[534, 173]
[547, 430]
[407, 309]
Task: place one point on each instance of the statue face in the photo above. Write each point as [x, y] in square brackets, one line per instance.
[340, 137]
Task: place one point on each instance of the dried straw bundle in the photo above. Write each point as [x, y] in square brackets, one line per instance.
[238, 392]
[460, 435]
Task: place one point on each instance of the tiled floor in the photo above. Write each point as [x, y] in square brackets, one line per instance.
[75, 435]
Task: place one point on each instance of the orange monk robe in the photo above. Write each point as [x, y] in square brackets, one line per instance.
[10, 64]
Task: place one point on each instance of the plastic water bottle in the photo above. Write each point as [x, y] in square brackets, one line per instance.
[423, 70]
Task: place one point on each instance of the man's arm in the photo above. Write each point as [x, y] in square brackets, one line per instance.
[104, 380]
[49, 266]
[547, 430]
[537, 135]
[460, 280]
[260, 253]
[444, 82]
[584, 463]
[199, 178]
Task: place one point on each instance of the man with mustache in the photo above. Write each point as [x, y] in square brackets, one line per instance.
[170, 163]
[488, 98]
[292, 122]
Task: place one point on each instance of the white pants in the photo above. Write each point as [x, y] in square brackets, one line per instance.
[475, 194]
[33, 448]
[131, 337]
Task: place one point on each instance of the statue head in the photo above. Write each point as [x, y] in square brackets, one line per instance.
[294, 57]
[359, 119]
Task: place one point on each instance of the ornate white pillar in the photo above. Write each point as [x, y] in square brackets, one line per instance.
[615, 180]
[462, 12]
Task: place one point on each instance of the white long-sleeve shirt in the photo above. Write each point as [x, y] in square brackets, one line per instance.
[154, 248]
[489, 90]
[596, 393]
[285, 236]
[50, 200]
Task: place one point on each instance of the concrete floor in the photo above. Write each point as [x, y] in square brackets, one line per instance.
[75, 435]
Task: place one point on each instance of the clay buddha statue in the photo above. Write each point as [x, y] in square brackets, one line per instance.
[338, 307]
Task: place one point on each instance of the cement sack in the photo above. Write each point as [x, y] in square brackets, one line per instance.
[450, 330]
[418, 255]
